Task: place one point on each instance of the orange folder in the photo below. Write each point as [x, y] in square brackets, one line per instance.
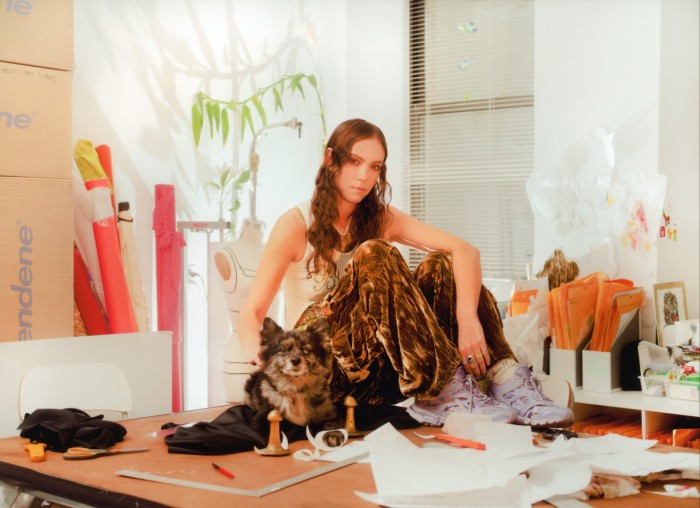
[581, 305]
[520, 301]
[623, 303]
[556, 292]
[572, 309]
[552, 321]
[606, 291]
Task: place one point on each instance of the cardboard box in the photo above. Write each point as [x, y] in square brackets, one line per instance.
[601, 370]
[36, 258]
[37, 32]
[35, 122]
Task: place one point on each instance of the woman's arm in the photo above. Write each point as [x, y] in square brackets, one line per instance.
[466, 260]
[287, 244]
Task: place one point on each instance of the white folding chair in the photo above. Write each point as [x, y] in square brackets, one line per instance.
[91, 387]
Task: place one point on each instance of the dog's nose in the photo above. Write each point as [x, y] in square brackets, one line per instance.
[296, 361]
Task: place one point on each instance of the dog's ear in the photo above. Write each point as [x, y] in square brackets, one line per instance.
[270, 328]
[320, 326]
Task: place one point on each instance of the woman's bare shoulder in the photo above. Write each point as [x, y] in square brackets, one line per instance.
[289, 234]
[292, 220]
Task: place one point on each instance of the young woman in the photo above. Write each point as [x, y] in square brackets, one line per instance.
[394, 334]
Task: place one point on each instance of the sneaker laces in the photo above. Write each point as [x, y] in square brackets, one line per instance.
[474, 396]
[529, 393]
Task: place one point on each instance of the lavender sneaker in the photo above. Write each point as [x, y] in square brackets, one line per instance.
[461, 395]
[523, 393]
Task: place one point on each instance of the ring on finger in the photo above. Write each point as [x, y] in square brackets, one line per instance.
[469, 359]
[478, 356]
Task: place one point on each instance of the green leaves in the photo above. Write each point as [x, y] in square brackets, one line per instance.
[226, 188]
[215, 113]
[197, 122]
[246, 118]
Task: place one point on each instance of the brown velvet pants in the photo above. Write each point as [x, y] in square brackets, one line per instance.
[393, 332]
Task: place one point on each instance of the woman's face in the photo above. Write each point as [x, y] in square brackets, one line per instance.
[358, 175]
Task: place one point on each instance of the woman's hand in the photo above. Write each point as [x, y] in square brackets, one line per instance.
[252, 354]
[472, 346]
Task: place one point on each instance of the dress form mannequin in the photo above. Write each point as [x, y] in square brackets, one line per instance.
[237, 262]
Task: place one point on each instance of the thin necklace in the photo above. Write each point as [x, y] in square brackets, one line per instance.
[347, 228]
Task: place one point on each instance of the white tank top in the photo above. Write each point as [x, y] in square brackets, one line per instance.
[301, 289]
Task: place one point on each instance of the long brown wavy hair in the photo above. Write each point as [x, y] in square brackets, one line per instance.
[370, 215]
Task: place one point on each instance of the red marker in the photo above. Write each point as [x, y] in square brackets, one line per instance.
[222, 470]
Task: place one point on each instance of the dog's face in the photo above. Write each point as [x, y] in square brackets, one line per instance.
[295, 353]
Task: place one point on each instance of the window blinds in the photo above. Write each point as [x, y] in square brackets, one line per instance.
[472, 127]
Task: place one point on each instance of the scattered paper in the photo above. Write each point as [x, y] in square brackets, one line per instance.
[407, 475]
[512, 495]
[643, 462]
[557, 477]
[319, 445]
[610, 443]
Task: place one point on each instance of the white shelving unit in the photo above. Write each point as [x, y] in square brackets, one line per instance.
[656, 412]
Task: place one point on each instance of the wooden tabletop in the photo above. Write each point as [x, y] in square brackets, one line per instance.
[95, 482]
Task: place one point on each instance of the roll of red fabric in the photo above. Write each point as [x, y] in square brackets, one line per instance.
[90, 310]
[169, 243]
[120, 312]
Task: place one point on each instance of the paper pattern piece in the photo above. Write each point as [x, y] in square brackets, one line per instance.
[409, 476]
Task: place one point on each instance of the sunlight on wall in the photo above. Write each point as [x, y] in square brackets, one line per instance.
[139, 65]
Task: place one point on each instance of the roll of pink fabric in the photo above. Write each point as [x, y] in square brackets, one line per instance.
[169, 243]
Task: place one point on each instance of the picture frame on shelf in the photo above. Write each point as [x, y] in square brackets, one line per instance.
[671, 307]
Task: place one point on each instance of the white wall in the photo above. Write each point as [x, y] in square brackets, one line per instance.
[679, 153]
[602, 90]
[377, 76]
[139, 64]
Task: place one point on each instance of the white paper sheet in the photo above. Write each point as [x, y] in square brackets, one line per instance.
[557, 477]
[505, 440]
[609, 444]
[401, 468]
[643, 462]
[407, 475]
[512, 495]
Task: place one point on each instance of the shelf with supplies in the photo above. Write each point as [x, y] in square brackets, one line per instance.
[596, 377]
[656, 412]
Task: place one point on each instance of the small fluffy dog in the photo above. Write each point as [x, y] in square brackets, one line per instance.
[294, 377]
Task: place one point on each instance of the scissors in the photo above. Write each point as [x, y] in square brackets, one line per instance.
[93, 453]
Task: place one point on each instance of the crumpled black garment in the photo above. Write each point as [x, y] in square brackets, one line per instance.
[61, 429]
[233, 431]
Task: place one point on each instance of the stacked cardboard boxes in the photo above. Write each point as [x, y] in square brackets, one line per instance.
[36, 199]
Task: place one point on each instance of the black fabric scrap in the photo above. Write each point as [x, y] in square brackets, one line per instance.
[61, 429]
[233, 431]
